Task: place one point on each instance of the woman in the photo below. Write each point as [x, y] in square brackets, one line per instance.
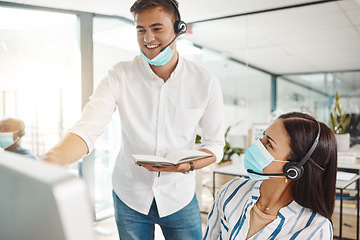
[296, 162]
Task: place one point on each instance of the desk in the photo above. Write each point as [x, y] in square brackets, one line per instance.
[354, 167]
[239, 170]
[341, 185]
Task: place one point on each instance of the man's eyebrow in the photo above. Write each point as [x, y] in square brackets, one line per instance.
[156, 24]
[152, 25]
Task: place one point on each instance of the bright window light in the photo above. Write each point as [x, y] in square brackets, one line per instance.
[25, 20]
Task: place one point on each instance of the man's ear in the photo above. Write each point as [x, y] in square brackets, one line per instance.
[20, 133]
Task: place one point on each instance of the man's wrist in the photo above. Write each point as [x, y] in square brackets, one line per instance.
[192, 167]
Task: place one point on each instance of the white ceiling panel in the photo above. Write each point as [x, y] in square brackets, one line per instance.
[281, 64]
[323, 36]
[294, 13]
[319, 48]
[343, 60]
[190, 10]
[229, 7]
[354, 16]
[234, 36]
[289, 40]
[301, 24]
[265, 52]
[349, 5]
[318, 37]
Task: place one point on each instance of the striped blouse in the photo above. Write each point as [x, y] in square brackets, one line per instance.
[230, 215]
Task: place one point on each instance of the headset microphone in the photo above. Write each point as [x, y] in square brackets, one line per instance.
[266, 174]
[170, 42]
[179, 26]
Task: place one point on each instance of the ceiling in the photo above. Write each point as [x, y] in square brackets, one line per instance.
[276, 36]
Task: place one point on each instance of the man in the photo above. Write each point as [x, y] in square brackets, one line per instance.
[11, 132]
[161, 99]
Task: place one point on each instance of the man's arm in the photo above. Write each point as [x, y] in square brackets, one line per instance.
[204, 161]
[69, 149]
[183, 167]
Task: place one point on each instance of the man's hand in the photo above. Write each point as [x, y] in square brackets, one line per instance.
[69, 149]
[183, 167]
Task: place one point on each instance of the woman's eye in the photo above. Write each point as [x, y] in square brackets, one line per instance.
[268, 143]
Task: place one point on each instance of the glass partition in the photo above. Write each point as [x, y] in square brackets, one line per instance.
[294, 97]
[39, 73]
[246, 92]
[314, 93]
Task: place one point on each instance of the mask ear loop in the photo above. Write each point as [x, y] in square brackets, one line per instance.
[284, 161]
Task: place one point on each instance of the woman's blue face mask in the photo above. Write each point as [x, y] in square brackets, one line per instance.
[256, 158]
[161, 59]
[6, 139]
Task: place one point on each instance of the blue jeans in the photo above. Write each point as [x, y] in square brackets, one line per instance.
[182, 225]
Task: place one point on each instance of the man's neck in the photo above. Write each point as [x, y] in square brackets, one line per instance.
[164, 71]
[13, 147]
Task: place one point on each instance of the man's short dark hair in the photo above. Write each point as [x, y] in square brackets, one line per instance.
[141, 5]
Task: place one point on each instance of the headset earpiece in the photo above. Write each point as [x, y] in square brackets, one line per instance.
[180, 27]
[292, 171]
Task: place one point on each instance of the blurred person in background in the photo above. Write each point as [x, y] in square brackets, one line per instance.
[11, 132]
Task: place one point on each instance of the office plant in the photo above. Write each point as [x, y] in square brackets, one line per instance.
[228, 149]
[339, 123]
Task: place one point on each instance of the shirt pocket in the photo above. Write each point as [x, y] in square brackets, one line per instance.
[186, 120]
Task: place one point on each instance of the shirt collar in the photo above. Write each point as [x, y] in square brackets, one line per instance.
[147, 68]
[153, 76]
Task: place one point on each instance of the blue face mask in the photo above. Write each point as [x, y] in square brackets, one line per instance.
[6, 139]
[257, 158]
[161, 59]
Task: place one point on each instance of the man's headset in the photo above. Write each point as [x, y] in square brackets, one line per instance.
[294, 170]
[179, 26]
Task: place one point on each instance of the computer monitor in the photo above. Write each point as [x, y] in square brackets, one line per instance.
[41, 201]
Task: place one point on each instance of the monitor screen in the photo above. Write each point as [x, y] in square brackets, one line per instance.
[41, 201]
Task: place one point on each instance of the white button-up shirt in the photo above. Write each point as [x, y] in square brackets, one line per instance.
[157, 117]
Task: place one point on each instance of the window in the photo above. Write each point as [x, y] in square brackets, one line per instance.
[39, 73]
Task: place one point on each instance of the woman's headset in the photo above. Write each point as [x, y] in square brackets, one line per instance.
[294, 170]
